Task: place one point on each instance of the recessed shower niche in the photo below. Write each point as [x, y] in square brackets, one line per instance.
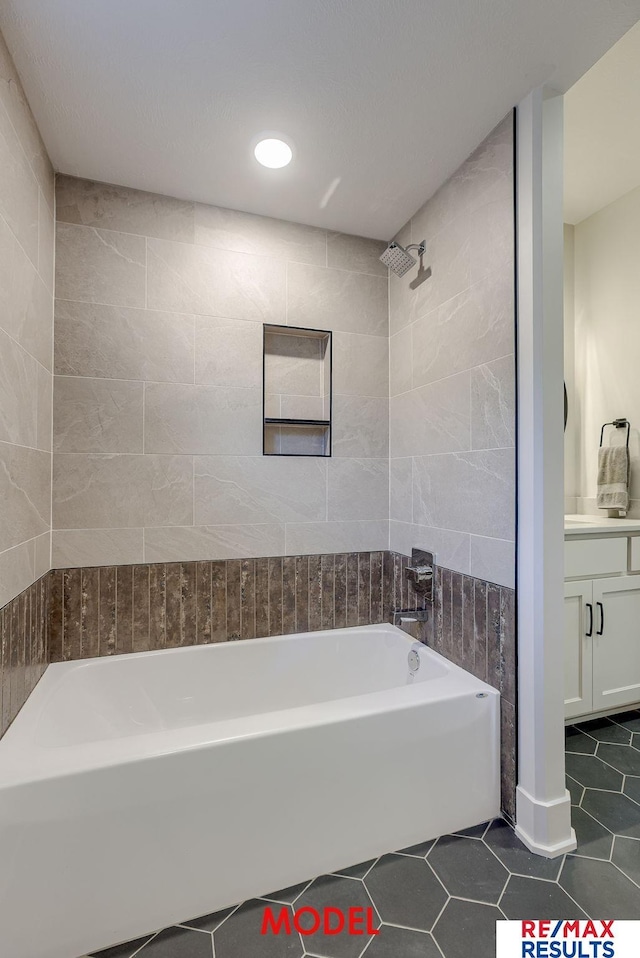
[297, 391]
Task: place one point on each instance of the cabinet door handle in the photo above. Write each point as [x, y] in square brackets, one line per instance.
[601, 629]
[590, 629]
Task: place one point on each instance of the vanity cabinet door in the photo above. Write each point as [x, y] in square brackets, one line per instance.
[616, 642]
[578, 624]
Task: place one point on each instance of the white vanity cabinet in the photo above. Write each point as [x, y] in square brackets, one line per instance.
[602, 625]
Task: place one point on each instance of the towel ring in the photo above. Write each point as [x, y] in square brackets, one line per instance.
[619, 424]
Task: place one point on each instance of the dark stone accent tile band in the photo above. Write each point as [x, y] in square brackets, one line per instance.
[114, 609]
[24, 648]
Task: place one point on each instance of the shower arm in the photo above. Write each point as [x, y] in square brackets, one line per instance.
[420, 247]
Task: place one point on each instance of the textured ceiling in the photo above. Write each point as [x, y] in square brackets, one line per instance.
[602, 131]
[387, 98]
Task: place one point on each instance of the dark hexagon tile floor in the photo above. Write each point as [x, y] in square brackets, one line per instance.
[441, 898]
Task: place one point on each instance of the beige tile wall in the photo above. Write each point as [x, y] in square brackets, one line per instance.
[452, 373]
[158, 387]
[26, 339]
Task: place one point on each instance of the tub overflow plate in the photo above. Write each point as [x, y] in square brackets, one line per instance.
[414, 660]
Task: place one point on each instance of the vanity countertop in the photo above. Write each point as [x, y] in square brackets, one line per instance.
[589, 525]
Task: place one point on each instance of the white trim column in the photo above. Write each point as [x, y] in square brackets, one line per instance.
[543, 805]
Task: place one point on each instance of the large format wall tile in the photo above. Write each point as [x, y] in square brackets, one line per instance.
[26, 337]
[469, 492]
[17, 571]
[451, 549]
[97, 415]
[432, 419]
[493, 404]
[116, 491]
[192, 338]
[99, 266]
[110, 207]
[115, 342]
[493, 559]
[25, 491]
[364, 535]
[228, 352]
[401, 361]
[25, 301]
[214, 282]
[203, 420]
[18, 393]
[92, 547]
[336, 299]
[44, 412]
[355, 253]
[452, 377]
[485, 177]
[360, 427]
[473, 327]
[248, 489]
[401, 490]
[360, 365]
[248, 233]
[358, 489]
[19, 193]
[187, 543]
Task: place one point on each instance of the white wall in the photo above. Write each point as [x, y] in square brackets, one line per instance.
[607, 337]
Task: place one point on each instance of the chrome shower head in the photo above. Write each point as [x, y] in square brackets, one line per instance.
[399, 259]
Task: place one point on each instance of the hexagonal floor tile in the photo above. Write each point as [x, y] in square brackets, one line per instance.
[515, 857]
[356, 871]
[594, 840]
[401, 943]
[209, 922]
[591, 772]
[604, 730]
[577, 741]
[625, 759]
[628, 720]
[466, 928]
[632, 788]
[533, 898]
[635, 739]
[179, 943]
[418, 851]
[467, 869]
[406, 891]
[626, 855]
[600, 888]
[616, 812]
[239, 936]
[576, 790]
[126, 950]
[286, 896]
[476, 831]
[336, 892]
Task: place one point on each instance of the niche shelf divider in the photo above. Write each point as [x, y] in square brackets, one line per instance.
[296, 396]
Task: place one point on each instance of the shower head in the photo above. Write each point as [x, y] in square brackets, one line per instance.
[399, 259]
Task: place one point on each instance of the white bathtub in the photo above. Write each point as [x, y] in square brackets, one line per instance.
[141, 790]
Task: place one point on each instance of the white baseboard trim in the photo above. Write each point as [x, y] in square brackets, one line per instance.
[545, 827]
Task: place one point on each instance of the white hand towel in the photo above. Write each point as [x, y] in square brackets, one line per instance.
[613, 478]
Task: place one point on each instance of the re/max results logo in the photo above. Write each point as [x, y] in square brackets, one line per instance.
[561, 938]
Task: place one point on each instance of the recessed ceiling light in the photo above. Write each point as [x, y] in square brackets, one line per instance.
[273, 153]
